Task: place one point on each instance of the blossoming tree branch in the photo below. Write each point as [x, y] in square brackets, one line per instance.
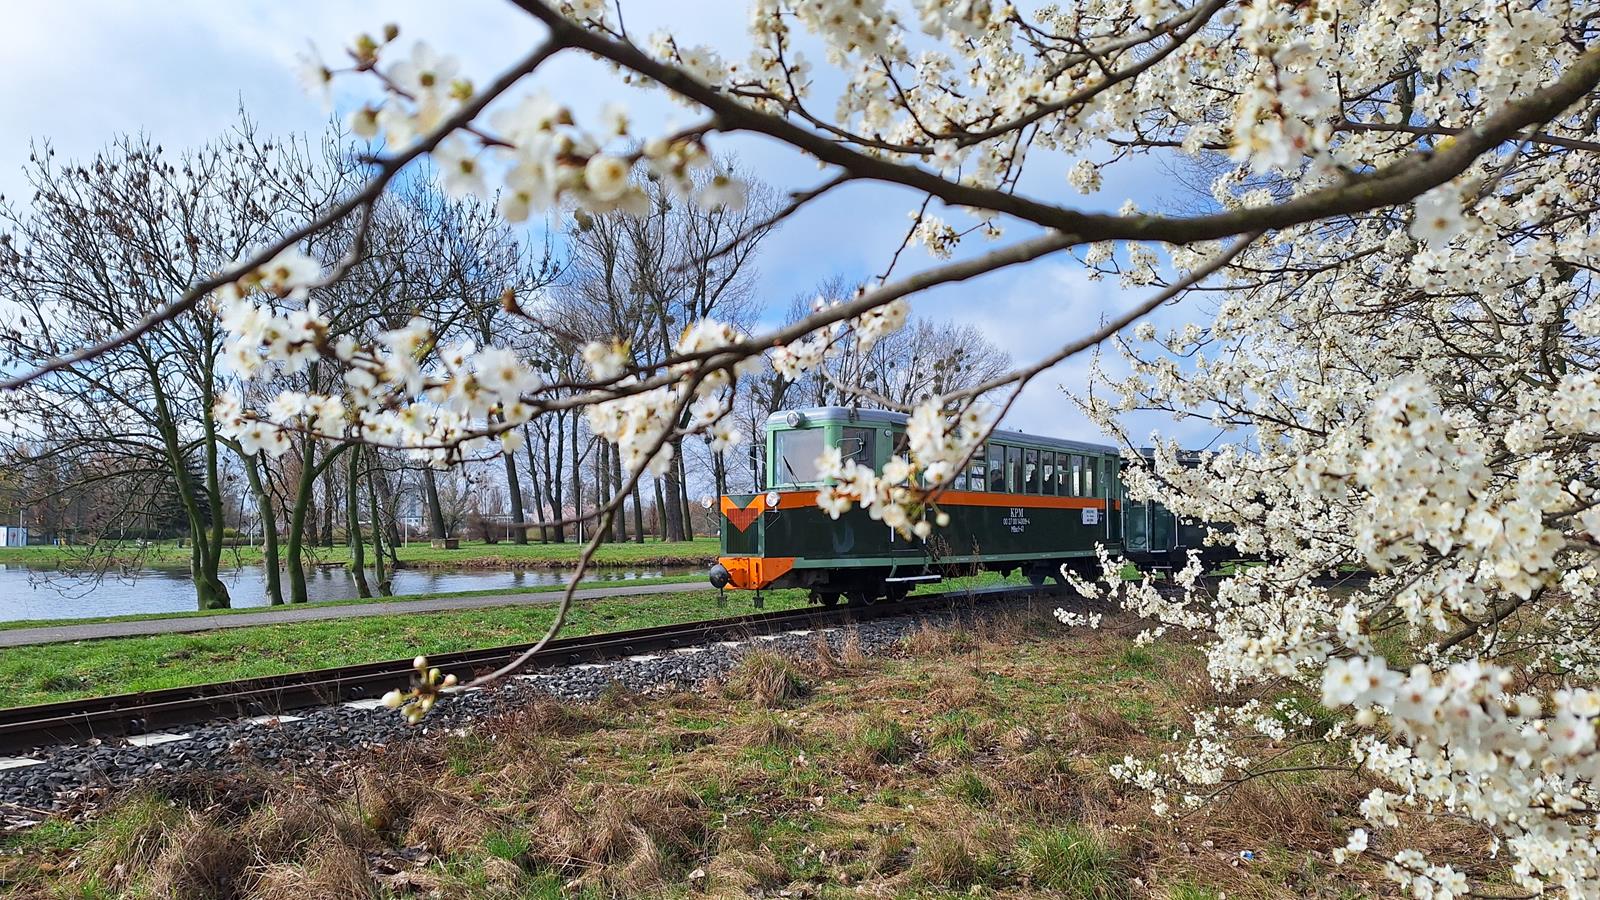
[1399, 367]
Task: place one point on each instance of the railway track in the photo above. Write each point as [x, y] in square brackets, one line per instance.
[28, 727]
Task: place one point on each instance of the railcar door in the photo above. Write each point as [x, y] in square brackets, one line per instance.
[1136, 525]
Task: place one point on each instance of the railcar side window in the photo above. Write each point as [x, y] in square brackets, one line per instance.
[1030, 470]
[997, 468]
[1063, 463]
[1077, 475]
[1048, 466]
[1088, 476]
[796, 453]
[979, 477]
[1014, 469]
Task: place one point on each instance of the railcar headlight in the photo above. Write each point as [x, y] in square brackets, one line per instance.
[772, 499]
[705, 502]
[795, 419]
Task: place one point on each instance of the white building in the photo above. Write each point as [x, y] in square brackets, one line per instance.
[15, 535]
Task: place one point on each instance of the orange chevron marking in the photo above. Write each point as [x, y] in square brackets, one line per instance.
[742, 518]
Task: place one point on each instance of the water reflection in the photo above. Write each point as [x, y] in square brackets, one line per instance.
[27, 593]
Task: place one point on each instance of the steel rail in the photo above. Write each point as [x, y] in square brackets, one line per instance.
[27, 728]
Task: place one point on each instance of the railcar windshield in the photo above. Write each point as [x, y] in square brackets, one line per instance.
[795, 455]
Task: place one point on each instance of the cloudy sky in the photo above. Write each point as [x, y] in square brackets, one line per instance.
[180, 70]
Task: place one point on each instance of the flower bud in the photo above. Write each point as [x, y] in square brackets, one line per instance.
[394, 699]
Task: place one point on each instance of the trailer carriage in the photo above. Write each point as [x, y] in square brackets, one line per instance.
[1027, 502]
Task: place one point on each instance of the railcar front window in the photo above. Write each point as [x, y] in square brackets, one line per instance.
[1014, 469]
[796, 455]
[997, 468]
[1088, 476]
[1030, 470]
[1049, 482]
[856, 444]
[978, 479]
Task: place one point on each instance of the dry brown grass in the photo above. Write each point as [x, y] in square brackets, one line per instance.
[201, 860]
[929, 639]
[327, 872]
[953, 690]
[852, 655]
[824, 662]
[980, 771]
[766, 678]
[769, 730]
[741, 873]
[624, 838]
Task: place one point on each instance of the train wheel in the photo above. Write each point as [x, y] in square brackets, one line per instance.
[896, 592]
[862, 597]
[825, 598]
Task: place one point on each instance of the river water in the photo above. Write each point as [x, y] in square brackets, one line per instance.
[27, 593]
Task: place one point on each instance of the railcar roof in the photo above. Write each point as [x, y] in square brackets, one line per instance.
[844, 414]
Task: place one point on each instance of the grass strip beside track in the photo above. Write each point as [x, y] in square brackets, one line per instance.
[54, 672]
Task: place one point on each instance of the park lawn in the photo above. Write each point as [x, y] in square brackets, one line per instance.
[471, 554]
[47, 673]
[973, 763]
[242, 610]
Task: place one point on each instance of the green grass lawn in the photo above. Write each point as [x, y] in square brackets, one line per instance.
[472, 554]
[52, 672]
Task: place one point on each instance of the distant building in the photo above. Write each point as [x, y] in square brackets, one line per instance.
[15, 535]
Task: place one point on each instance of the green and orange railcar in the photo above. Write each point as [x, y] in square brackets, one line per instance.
[1027, 502]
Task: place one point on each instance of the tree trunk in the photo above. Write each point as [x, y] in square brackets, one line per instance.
[519, 525]
[661, 519]
[553, 482]
[638, 513]
[430, 487]
[671, 511]
[602, 489]
[391, 513]
[377, 532]
[537, 483]
[269, 530]
[297, 522]
[577, 483]
[330, 493]
[683, 492]
[614, 454]
[352, 525]
[719, 470]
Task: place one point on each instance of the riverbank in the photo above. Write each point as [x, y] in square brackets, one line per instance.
[470, 555]
[53, 672]
[17, 624]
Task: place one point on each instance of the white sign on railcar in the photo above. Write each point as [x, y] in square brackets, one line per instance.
[1091, 517]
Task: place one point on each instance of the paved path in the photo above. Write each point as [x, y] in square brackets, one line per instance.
[274, 615]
